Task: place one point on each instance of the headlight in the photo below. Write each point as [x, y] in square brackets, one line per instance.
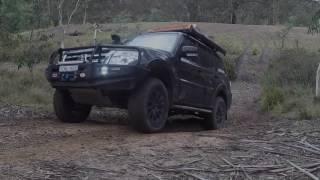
[104, 71]
[124, 58]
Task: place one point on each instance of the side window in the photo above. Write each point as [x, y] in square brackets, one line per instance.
[190, 42]
[218, 61]
[207, 57]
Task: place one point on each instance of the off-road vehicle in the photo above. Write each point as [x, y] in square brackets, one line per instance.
[167, 71]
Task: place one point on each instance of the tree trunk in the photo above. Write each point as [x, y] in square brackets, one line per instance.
[233, 7]
[60, 6]
[231, 11]
[60, 12]
[73, 11]
[318, 82]
[85, 12]
[275, 11]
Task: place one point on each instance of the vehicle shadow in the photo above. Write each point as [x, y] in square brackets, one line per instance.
[183, 124]
[174, 124]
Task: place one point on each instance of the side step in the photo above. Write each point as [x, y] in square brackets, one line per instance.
[192, 108]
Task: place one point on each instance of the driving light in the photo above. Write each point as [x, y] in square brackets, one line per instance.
[82, 75]
[124, 58]
[104, 71]
[54, 75]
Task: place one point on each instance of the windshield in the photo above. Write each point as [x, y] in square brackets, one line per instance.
[162, 41]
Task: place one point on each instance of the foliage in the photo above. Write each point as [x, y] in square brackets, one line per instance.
[272, 97]
[21, 15]
[8, 45]
[314, 26]
[293, 67]
[288, 84]
[234, 49]
[230, 66]
[255, 51]
[282, 35]
[20, 88]
[15, 15]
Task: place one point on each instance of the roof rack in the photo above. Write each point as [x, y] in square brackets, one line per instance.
[192, 30]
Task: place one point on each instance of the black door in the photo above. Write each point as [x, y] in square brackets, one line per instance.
[209, 73]
[192, 81]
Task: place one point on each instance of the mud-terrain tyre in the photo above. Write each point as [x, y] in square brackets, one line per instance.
[67, 110]
[218, 117]
[148, 107]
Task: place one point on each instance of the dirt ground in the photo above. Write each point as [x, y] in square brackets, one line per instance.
[254, 145]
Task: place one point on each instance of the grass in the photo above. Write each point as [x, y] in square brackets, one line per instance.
[289, 83]
[235, 47]
[20, 88]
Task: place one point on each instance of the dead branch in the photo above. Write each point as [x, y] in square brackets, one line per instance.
[179, 165]
[287, 169]
[310, 145]
[311, 171]
[73, 11]
[312, 176]
[303, 148]
[157, 177]
[193, 176]
[286, 154]
[238, 167]
[200, 170]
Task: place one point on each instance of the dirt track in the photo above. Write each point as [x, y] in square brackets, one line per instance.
[252, 146]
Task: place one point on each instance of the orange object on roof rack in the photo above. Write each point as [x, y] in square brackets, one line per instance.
[174, 27]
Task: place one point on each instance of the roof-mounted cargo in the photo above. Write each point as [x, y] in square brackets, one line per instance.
[192, 30]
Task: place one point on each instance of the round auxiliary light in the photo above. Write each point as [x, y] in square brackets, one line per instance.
[54, 75]
[104, 71]
[82, 75]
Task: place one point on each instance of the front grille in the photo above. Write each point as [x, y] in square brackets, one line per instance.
[83, 56]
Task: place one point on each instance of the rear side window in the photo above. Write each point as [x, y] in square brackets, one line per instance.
[190, 42]
[207, 57]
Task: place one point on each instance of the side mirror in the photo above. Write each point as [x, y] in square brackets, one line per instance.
[189, 49]
[116, 39]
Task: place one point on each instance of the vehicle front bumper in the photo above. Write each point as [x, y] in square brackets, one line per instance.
[90, 76]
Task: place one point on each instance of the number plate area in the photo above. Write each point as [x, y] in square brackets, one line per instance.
[72, 68]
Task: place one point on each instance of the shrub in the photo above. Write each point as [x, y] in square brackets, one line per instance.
[293, 67]
[234, 48]
[255, 52]
[230, 65]
[289, 82]
[20, 88]
[272, 97]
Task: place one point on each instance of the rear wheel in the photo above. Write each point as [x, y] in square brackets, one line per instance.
[149, 106]
[218, 117]
[67, 110]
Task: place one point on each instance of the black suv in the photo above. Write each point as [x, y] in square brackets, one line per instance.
[169, 71]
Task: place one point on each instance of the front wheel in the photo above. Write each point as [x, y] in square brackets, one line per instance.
[218, 117]
[67, 110]
[149, 107]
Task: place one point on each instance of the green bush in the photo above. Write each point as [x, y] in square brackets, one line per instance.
[289, 82]
[230, 65]
[234, 48]
[293, 67]
[272, 97]
[20, 88]
[255, 52]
